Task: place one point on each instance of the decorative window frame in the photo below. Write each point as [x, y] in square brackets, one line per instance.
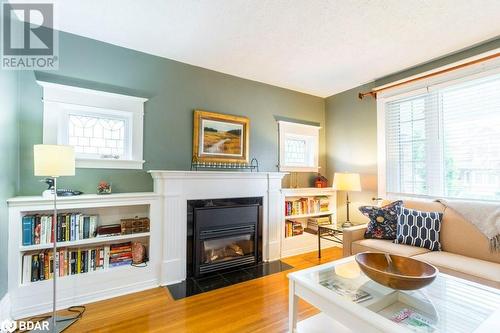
[59, 100]
[308, 132]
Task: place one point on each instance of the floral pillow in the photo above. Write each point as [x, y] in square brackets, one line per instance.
[383, 220]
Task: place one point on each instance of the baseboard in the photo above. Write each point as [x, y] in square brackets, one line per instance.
[38, 309]
[310, 248]
[5, 308]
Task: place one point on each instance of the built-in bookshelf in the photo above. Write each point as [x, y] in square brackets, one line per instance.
[91, 266]
[302, 208]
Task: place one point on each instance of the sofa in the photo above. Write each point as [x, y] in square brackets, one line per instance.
[465, 251]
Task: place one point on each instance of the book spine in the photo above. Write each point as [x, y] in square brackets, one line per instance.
[106, 256]
[86, 227]
[42, 265]
[26, 268]
[37, 230]
[27, 230]
[120, 263]
[58, 228]
[78, 261]
[73, 262]
[93, 226]
[77, 227]
[101, 258]
[35, 268]
[68, 226]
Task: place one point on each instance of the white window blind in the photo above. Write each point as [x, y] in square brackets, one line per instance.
[445, 142]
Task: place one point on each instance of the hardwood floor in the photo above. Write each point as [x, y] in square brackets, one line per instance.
[259, 305]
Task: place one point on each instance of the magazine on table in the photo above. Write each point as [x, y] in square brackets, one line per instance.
[413, 320]
[346, 289]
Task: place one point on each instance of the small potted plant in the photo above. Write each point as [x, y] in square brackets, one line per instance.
[104, 187]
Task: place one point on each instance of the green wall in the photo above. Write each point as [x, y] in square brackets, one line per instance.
[9, 160]
[174, 90]
[351, 129]
[352, 144]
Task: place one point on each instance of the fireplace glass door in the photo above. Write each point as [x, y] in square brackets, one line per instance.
[227, 248]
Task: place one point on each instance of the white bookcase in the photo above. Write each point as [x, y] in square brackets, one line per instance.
[33, 298]
[306, 242]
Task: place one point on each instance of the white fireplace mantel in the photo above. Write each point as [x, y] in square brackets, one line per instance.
[177, 187]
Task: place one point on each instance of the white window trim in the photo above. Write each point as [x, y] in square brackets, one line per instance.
[420, 87]
[299, 129]
[57, 97]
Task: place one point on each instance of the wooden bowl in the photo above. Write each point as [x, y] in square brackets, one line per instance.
[404, 273]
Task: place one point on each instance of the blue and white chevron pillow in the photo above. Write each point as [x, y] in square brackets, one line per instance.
[418, 228]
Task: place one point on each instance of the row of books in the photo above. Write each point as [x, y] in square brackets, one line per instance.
[37, 229]
[39, 266]
[309, 205]
[293, 228]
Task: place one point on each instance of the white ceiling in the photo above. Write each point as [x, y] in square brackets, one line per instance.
[318, 47]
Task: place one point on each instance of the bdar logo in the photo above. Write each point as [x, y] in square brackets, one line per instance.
[8, 326]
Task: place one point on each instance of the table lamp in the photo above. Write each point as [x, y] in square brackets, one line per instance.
[347, 182]
[54, 161]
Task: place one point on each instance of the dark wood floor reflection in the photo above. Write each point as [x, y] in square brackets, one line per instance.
[259, 305]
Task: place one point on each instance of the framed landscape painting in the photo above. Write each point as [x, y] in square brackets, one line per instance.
[220, 137]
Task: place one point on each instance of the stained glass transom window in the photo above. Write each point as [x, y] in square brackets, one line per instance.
[295, 151]
[100, 136]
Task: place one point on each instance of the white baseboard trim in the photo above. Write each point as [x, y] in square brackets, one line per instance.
[46, 307]
[5, 308]
[310, 248]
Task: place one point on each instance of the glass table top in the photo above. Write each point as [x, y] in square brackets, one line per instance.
[448, 304]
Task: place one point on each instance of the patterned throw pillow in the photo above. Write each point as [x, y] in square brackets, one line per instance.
[419, 228]
[383, 220]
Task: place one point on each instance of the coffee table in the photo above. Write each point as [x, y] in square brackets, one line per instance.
[350, 302]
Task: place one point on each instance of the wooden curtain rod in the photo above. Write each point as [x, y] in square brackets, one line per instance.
[374, 92]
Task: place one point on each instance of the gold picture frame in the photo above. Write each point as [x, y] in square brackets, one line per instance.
[220, 137]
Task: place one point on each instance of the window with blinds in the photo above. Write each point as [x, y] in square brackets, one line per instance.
[445, 142]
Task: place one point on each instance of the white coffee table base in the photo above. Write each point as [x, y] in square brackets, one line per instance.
[320, 323]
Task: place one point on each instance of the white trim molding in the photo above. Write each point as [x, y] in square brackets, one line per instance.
[5, 308]
[59, 100]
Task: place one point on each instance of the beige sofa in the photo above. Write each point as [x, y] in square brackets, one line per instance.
[465, 251]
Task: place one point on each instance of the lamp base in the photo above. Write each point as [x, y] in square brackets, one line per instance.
[346, 224]
[62, 323]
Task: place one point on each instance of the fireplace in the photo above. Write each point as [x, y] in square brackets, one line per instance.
[223, 234]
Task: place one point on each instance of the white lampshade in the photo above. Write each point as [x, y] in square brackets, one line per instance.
[54, 160]
[346, 181]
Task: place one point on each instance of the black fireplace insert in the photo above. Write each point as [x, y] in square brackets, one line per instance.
[223, 234]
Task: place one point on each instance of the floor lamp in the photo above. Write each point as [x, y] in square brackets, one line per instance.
[347, 182]
[54, 161]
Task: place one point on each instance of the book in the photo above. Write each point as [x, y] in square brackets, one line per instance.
[27, 230]
[42, 266]
[37, 231]
[35, 268]
[27, 264]
[72, 227]
[72, 262]
[86, 227]
[93, 226]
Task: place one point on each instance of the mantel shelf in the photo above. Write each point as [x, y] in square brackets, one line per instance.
[87, 241]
